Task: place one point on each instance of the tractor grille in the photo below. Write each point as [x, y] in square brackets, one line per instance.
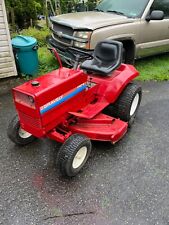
[65, 30]
[33, 122]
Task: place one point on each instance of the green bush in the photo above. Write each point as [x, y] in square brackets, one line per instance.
[40, 35]
[47, 62]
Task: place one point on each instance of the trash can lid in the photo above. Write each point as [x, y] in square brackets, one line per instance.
[23, 41]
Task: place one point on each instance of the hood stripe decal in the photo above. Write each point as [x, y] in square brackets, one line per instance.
[63, 99]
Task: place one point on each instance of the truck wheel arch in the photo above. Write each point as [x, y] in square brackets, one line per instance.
[129, 51]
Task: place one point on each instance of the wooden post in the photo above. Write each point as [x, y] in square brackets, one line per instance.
[46, 13]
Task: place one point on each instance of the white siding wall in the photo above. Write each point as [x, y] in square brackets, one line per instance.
[7, 62]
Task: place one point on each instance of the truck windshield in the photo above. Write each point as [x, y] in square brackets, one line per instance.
[129, 8]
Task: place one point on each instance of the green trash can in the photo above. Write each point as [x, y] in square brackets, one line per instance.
[25, 51]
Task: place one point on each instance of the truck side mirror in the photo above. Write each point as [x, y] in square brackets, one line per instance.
[155, 15]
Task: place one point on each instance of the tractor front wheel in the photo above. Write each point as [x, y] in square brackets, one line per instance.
[73, 154]
[18, 135]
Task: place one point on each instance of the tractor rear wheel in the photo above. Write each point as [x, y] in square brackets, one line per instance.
[127, 104]
[73, 154]
[18, 135]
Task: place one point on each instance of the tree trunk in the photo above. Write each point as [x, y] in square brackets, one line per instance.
[13, 19]
[46, 13]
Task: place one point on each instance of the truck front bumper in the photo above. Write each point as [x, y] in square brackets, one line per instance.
[61, 49]
[65, 56]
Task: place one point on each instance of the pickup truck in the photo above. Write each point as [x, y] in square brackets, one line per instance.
[141, 25]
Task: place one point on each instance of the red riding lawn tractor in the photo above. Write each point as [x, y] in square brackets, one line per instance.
[95, 100]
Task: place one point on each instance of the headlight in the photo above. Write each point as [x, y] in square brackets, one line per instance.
[80, 45]
[24, 99]
[31, 99]
[83, 34]
[85, 39]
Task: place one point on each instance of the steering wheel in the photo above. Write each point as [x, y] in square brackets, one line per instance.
[82, 54]
[78, 57]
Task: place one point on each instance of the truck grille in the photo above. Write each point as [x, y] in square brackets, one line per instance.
[33, 122]
[63, 40]
[65, 30]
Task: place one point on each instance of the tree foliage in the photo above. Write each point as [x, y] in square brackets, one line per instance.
[24, 10]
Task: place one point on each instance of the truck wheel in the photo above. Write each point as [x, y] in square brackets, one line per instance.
[73, 154]
[18, 135]
[128, 52]
[128, 103]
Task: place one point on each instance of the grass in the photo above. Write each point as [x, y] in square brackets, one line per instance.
[153, 68]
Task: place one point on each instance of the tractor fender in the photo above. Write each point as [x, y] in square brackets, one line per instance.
[113, 86]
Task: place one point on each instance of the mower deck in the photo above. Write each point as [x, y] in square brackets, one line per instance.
[101, 127]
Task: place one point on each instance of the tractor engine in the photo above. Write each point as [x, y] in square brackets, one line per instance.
[45, 102]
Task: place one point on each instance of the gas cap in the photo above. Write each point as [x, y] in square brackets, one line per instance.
[35, 83]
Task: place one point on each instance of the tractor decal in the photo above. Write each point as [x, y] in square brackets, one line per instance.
[61, 99]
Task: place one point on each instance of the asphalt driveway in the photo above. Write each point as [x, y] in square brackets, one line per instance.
[123, 184]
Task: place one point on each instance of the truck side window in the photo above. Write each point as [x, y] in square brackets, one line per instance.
[162, 5]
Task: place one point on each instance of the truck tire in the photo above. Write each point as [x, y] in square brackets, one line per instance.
[18, 135]
[128, 52]
[127, 104]
[73, 154]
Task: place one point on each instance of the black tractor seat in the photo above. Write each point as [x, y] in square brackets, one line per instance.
[107, 57]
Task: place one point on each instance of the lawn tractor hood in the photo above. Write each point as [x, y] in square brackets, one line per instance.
[39, 101]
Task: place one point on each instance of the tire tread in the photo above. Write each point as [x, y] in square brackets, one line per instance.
[121, 108]
[12, 132]
[67, 150]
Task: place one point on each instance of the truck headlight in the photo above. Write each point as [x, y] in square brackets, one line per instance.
[85, 37]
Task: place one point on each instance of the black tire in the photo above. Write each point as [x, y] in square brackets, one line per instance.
[14, 133]
[123, 107]
[128, 51]
[123, 56]
[128, 58]
[67, 154]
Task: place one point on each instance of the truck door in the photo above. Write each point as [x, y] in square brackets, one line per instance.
[154, 35]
